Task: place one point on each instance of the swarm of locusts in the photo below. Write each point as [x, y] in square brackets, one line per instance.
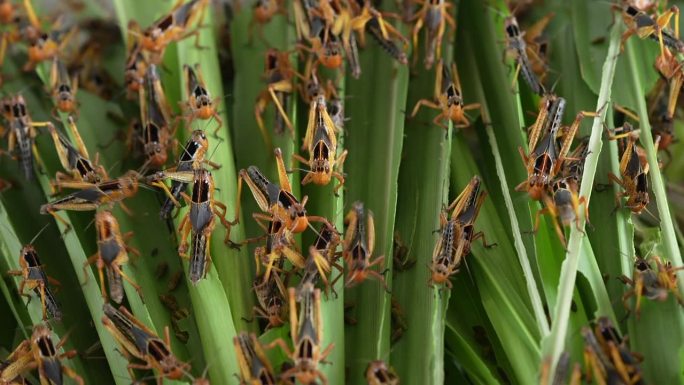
[293, 279]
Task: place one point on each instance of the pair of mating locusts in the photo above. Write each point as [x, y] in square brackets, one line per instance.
[457, 233]
[552, 174]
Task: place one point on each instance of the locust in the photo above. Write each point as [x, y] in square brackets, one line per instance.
[358, 246]
[48, 360]
[516, 48]
[652, 283]
[434, 17]
[447, 98]
[199, 222]
[112, 254]
[321, 142]
[33, 277]
[275, 200]
[200, 104]
[138, 341]
[74, 159]
[193, 154]
[457, 233]
[379, 373]
[633, 169]
[307, 337]
[255, 367]
[63, 88]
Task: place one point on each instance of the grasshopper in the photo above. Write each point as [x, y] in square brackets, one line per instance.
[516, 48]
[560, 377]
[199, 222]
[112, 254]
[136, 65]
[563, 202]
[323, 257]
[18, 362]
[662, 122]
[379, 373]
[546, 158]
[22, 133]
[172, 27]
[200, 104]
[358, 246]
[33, 277]
[434, 17]
[279, 73]
[276, 200]
[654, 284]
[193, 153]
[321, 142]
[307, 336]
[457, 232]
[447, 98]
[255, 368]
[271, 298]
[607, 356]
[94, 195]
[155, 118]
[262, 13]
[633, 168]
[139, 341]
[75, 160]
[63, 88]
[279, 243]
[655, 28]
[43, 45]
[48, 361]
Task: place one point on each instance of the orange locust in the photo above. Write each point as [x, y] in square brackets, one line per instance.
[321, 142]
[112, 254]
[359, 243]
[379, 373]
[662, 122]
[652, 283]
[200, 104]
[43, 45]
[75, 160]
[63, 88]
[276, 200]
[262, 13]
[255, 368]
[633, 169]
[48, 361]
[138, 341]
[307, 337]
[33, 277]
[433, 16]
[199, 222]
[172, 27]
[457, 233]
[447, 97]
